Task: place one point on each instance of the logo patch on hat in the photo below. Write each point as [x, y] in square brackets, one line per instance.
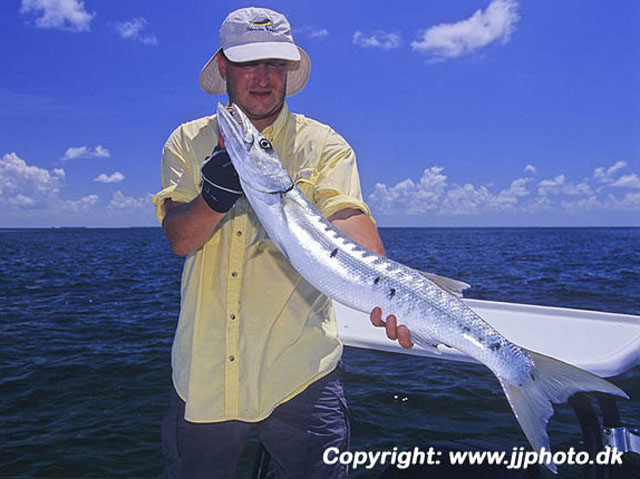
[264, 22]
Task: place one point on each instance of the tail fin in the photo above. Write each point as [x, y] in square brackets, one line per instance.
[553, 381]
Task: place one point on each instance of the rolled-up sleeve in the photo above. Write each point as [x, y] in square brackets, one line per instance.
[178, 176]
[337, 185]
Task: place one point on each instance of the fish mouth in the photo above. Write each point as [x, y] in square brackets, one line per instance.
[234, 123]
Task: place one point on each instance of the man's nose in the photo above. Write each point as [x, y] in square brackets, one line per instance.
[261, 74]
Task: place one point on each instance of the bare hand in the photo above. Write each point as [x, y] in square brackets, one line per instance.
[401, 332]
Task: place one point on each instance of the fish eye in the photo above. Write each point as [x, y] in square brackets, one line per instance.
[265, 144]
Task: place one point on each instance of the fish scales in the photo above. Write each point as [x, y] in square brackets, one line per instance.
[349, 276]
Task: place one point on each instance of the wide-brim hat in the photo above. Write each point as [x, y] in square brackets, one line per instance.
[251, 34]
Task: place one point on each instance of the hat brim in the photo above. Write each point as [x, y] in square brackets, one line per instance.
[263, 50]
[297, 73]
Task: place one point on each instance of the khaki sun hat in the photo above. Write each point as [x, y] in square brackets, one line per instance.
[250, 34]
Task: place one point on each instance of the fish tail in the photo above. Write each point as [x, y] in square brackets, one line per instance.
[552, 381]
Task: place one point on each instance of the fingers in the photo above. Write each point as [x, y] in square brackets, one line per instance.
[394, 332]
[404, 337]
[221, 142]
[376, 317]
[391, 325]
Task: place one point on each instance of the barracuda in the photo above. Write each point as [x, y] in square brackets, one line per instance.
[428, 305]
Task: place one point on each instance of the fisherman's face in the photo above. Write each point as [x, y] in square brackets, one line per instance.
[258, 87]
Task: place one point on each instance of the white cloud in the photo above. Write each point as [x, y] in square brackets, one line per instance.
[606, 175]
[517, 188]
[411, 197]
[23, 185]
[115, 177]
[537, 204]
[59, 14]
[34, 196]
[452, 40]
[321, 33]
[21, 201]
[120, 203]
[579, 189]
[552, 186]
[134, 29]
[311, 32]
[530, 169]
[83, 205]
[589, 203]
[469, 199]
[631, 202]
[380, 39]
[559, 186]
[627, 181]
[434, 195]
[85, 152]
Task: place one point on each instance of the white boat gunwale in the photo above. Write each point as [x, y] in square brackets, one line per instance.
[606, 344]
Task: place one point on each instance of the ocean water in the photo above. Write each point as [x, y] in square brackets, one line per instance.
[87, 317]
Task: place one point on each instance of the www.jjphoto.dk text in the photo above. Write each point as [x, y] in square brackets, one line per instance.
[518, 458]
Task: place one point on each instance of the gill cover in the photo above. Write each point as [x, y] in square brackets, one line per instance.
[252, 155]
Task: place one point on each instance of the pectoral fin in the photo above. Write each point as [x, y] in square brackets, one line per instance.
[452, 286]
[426, 342]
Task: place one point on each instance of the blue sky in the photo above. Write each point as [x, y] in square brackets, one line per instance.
[466, 113]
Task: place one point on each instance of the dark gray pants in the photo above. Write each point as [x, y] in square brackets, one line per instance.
[295, 435]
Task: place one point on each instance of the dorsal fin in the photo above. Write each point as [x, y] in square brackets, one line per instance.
[452, 286]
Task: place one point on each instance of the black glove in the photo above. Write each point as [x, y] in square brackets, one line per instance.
[220, 183]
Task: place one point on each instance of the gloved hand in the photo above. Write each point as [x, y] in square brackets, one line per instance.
[220, 183]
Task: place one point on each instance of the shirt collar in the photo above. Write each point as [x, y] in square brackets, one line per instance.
[277, 126]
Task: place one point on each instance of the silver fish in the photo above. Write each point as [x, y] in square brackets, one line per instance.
[362, 280]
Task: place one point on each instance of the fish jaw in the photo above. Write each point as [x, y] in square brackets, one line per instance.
[252, 155]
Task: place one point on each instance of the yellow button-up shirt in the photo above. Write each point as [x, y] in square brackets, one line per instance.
[252, 332]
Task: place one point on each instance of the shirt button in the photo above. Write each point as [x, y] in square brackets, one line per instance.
[233, 316]
[232, 358]
[234, 274]
[239, 233]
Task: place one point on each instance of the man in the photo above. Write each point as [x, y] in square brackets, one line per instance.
[256, 346]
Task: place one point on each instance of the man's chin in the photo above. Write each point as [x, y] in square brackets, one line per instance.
[261, 112]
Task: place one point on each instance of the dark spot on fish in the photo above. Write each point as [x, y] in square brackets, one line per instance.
[377, 280]
[466, 329]
[494, 346]
[334, 253]
[392, 293]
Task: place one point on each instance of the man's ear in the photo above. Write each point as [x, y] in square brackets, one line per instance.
[222, 65]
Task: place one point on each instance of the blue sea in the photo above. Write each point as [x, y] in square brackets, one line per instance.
[87, 317]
